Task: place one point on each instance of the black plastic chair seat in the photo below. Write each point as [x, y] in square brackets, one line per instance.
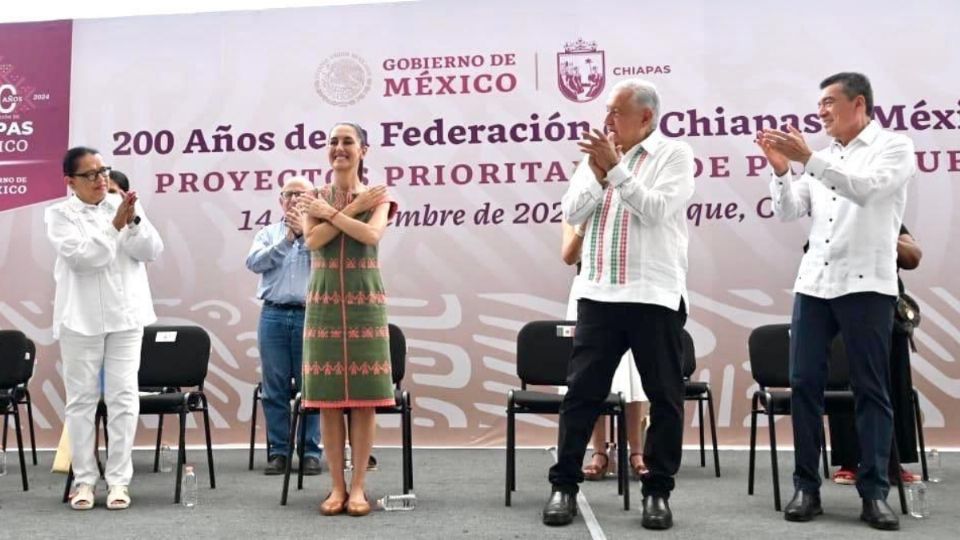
[397, 407]
[779, 402]
[535, 402]
[695, 389]
[171, 402]
[838, 401]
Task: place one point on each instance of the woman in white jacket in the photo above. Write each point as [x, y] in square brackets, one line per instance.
[102, 304]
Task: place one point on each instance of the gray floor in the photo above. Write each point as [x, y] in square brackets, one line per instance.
[460, 495]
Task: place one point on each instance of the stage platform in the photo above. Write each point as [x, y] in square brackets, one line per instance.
[460, 495]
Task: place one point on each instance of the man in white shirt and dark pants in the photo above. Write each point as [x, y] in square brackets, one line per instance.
[101, 305]
[630, 192]
[855, 190]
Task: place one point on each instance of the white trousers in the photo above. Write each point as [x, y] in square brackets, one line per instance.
[118, 353]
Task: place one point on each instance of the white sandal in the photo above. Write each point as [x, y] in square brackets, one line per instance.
[118, 498]
[82, 498]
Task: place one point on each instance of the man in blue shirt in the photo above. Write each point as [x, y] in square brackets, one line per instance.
[283, 262]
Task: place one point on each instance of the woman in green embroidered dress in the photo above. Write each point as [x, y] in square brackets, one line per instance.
[346, 362]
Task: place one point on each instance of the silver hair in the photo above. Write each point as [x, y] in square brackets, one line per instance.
[644, 94]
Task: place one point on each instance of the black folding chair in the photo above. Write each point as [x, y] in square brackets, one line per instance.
[21, 394]
[543, 353]
[769, 349]
[403, 407]
[699, 392]
[257, 398]
[15, 370]
[173, 358]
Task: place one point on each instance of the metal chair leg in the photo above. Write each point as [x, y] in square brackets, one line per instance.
[295, 417]
[407, 425]
[703, 453]
[923, 447]
[156, 454]
[713, 432]
[753, 445]
[181, 456]
[69, 484]
[773, 461]
[19, 434]
[624, 459]
[206, 429]
[33, 436]
[253, 423]
[300, 450]
[509, 482]
[823, 452]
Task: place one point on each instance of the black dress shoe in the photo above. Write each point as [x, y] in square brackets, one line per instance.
[879, 515]
[311, 466]
[803, 507]
[560, 509]
[656, 513]
[276, 465]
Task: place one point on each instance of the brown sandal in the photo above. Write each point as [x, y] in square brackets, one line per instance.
[593, 472]
[637, 470]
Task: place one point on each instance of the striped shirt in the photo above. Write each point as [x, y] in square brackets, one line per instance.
[635, 239]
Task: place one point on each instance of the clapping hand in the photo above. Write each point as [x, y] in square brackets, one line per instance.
[127, 211]
[781, 148]
[604, 153]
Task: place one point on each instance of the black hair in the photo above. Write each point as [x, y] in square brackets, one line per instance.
[854, 84]
[362, 135]
[120, 180]
[72, 156]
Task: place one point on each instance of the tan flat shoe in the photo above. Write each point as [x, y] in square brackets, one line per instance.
[331, 507]
[359, 509]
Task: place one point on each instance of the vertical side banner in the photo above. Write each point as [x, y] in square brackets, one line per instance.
[34, 111]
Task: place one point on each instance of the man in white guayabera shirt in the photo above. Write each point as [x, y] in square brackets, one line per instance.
[855, 190]
[102, 304]
[630, 191]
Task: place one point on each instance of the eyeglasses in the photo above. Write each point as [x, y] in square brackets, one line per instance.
[291, 194]
[93, 175]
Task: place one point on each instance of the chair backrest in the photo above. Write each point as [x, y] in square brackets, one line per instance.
[543, 352]
[689, 355]
[174, 356]
[15, 365]
[398, 354]
[769, 348]
[31, 357]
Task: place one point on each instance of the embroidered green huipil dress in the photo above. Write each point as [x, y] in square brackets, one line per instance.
[346, 343]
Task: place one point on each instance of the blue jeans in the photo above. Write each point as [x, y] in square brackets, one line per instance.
[865, 320]
[280, 337]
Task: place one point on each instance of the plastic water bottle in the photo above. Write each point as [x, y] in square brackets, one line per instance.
[166, 459]
[188, 495]
[933, 465]
[398, 503]
[3, 463]
[917, 500]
